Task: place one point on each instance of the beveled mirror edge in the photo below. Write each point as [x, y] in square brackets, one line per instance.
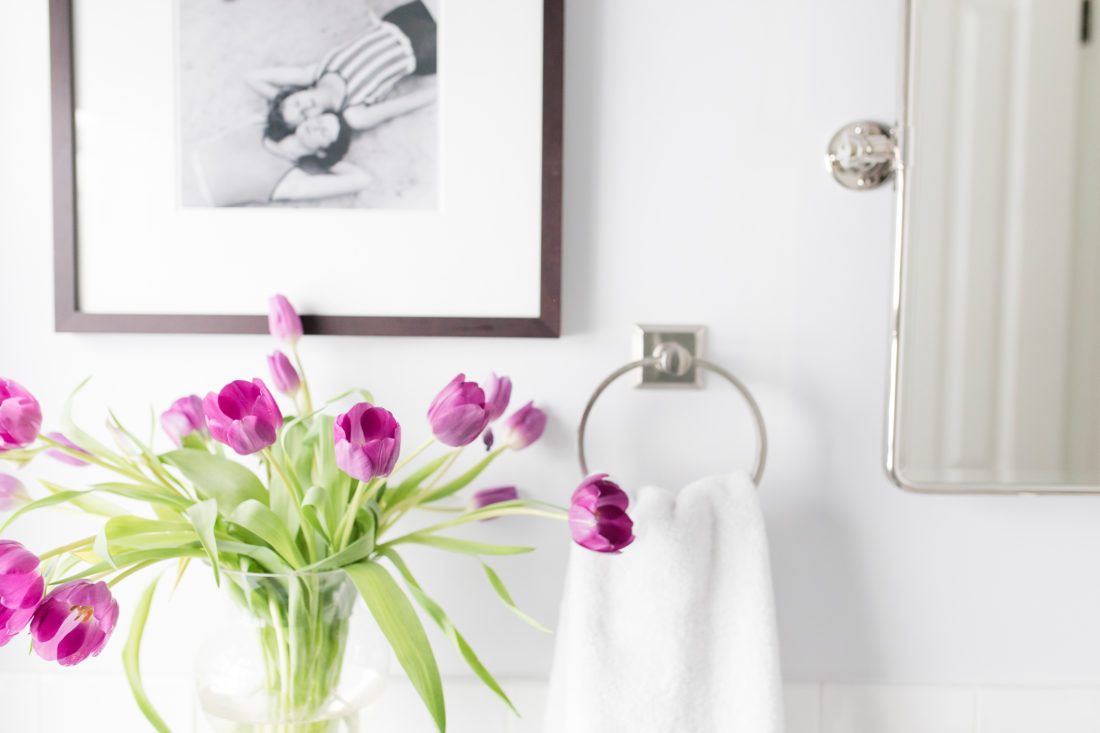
[900, 176]
[897, 313]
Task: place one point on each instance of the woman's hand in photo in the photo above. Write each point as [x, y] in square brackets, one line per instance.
[270, 81]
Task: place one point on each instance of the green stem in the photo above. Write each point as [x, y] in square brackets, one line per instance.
[292, 489]
[66, 548]
[406, 506]
[130, 571]
[302, 375]
[122, 469]
[475, 516]
[363, 493]
[413, 501]
[405, 461]
[443, 471]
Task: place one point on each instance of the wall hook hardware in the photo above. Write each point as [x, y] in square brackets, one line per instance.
[862, 155]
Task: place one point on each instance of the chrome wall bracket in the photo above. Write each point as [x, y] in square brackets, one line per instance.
[862, 155]
[676, 350]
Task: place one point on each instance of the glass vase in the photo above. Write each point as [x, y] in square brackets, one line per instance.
[299, 653]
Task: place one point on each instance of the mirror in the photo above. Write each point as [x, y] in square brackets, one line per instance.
[996, 360]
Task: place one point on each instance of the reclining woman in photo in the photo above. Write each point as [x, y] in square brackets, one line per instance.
[357, 77]
[242, 167]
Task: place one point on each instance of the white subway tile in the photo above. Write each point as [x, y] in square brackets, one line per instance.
[400, 708]
[802, 708]
[867, 709]
[473, 708]
[20, 707]
[529, 697]
[1035, 710]
[104, 704]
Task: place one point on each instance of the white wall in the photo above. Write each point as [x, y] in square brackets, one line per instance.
[694, 193]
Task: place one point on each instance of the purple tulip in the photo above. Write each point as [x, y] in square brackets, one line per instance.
[74, 622]
[458, 413]
[12, 492]
[524, 426]
[20, 416]
[64, 457]
[184, 417]
[283, 374]
[488, 497]
[498, 392]
[243, 416]
[597, 515]
[368, 441]
[21, 587]
[283, 320]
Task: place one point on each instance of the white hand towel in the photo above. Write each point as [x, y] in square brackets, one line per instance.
[677, 634]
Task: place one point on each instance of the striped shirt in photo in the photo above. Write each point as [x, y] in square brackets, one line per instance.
[371, 64]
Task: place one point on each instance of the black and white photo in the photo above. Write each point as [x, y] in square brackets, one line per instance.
[366, 158]
[289, 103]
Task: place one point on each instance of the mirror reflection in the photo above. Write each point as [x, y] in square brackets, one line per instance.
[998, 373]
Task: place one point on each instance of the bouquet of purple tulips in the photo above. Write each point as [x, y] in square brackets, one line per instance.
[327, 495]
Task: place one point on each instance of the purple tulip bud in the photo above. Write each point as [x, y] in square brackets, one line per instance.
[283, 374]
[20, 416]
[488, 438]
[524, 426]
[368, 441]
[498, 391]
[597, 515]
[64, 457]
[458, 413]
[12, 492]
[487, 497]
[74, 622]
[283, 320]
[21, 587]
[184, 417]
[243, 416]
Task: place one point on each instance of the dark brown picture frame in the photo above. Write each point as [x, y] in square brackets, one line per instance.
[69, 317]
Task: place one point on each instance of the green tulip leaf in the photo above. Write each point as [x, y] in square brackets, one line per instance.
[498, 586]
[282, 504]
[101, 547]
[215, 477]
[357, 551]
[203, 516]
[78, 436]
[263, 555]
[265, 524]
[453, 544]
[149, 494]
[462, 481]
[91, 504]
[405, 489]
[134, 557]
[130, 654]
[444, 623]
[397, 618]
[313, 507]
[193, 441]
[54, 499]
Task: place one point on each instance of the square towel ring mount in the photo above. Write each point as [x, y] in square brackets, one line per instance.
[671, 356]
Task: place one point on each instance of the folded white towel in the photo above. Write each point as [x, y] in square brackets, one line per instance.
[677, 634]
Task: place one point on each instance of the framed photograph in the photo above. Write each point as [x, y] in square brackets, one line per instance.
[391, 166]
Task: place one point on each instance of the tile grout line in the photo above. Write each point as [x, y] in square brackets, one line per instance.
[820, 686]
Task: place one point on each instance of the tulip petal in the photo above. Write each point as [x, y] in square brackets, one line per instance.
[72, 645]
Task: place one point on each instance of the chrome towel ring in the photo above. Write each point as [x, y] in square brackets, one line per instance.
[672, 358]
